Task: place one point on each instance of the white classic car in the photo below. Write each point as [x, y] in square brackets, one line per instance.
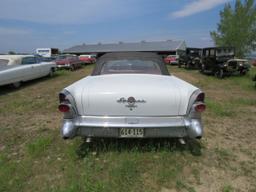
[15, 69]
[131, 95]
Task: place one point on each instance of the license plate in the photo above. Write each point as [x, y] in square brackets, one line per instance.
[131, 132]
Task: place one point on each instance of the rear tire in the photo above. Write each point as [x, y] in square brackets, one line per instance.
[51, 73]
[202, 69]
[16, 84]
[72, 68]
[242, 72]
[187, 66]
[219, 74]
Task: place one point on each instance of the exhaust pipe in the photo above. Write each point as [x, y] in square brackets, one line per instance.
[68, 130]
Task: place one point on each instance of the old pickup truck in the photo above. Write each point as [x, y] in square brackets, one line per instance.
[15, 69]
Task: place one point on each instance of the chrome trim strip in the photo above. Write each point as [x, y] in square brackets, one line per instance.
[94, 121]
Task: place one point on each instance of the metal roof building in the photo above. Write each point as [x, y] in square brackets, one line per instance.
[161, 47]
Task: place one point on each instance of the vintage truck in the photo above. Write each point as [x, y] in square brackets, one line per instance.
[221, 62]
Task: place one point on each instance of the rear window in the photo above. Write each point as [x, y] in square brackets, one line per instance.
[130, 66]
[225, 52]
[4, 62]
[61, 57]
[28, 60]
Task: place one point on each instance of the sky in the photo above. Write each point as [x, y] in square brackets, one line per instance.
[28, 24]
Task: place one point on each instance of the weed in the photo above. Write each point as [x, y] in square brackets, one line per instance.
[125, 176]
[181, 185]
[38, 146]
[220, 109]
[227, 188]
[243, 101]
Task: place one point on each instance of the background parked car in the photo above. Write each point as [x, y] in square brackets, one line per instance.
[172, 59]
[214, 60]
[87, 59]
[233, 66]
[191, 59]
[71, 62]
[15, 69]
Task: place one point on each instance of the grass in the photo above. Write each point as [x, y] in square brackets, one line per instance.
[227, 188]
[220, 109]
[33, 157]
[181, 185]
[39, 146]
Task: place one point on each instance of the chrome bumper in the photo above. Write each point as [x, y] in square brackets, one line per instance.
[154, 127]
[66, 66]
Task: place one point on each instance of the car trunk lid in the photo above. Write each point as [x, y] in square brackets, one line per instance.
[131, 95]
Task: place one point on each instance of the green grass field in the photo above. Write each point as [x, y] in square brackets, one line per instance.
[33, 156]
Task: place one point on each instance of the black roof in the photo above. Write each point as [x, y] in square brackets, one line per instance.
[224, 47]
[146, 56]
[156, 46]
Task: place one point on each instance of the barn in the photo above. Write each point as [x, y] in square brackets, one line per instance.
[161, 47]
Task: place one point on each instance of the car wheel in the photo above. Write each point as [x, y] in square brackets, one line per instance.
[242, 72]
[202, 69]
[72, 68]
[219, 73]
[51, 73]
[188, 66]
[16, 84]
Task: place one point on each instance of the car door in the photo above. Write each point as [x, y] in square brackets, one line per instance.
[207, 61]
[33, 71]
[43, 67]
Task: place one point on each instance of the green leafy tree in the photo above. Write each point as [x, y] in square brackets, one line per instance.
[237, 27]
[11, 53]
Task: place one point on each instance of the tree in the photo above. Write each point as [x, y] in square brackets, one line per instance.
[237, 27]
[11, 53]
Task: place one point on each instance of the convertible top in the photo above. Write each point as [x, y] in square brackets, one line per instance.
[148, 56]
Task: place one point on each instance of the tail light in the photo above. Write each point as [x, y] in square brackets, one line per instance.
[62, 98]
[64, 108]
[200, 97]
[64, 103]
[200, 107]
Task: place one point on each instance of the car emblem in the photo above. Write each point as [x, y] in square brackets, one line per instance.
[131, 102]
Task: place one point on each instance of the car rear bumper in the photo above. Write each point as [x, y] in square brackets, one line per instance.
[154, 127]
[64, 66]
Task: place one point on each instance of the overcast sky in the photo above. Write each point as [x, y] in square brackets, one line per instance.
[28, 24]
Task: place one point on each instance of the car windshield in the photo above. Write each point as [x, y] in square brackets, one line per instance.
[225, 52]
[130, 66]
[243, 62]
[194, 52]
